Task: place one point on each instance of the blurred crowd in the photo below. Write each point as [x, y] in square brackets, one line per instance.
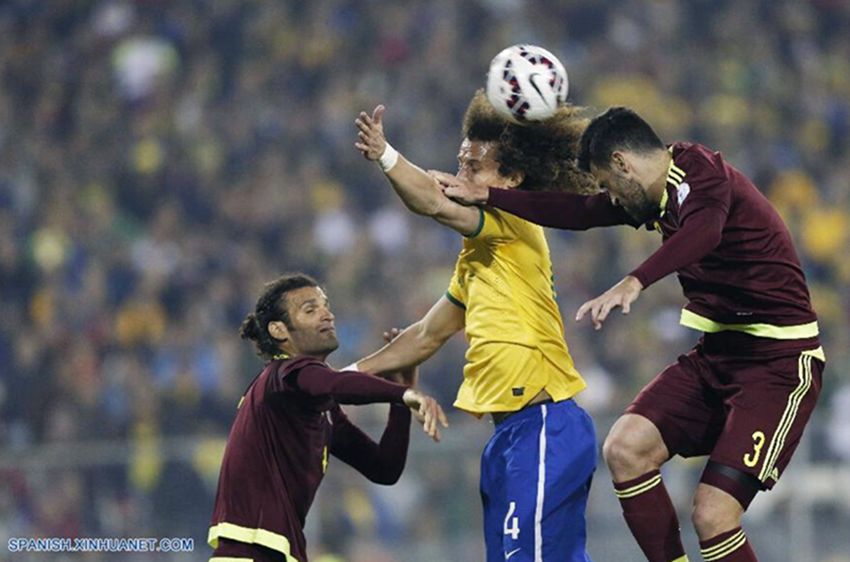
[161, 160]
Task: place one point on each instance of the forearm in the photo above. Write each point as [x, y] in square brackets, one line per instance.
[413, 346]
[698, 236]
[418, 191]
[559, 209]
[392, 450]
[381, 462]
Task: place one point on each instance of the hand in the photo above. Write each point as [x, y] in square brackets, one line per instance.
[622, 294]
[409, 376]
[462, 191]
[427, 411]
[372, 141]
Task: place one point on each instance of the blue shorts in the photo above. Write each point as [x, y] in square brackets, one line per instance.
[535, 478]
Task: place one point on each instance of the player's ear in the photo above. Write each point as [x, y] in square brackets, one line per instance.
[515, 179]
[619, 162]
[279, 331]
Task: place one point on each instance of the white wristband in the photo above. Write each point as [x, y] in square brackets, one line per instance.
[352, 367]
[388, 159]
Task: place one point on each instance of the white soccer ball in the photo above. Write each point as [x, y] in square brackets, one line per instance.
[526, 83]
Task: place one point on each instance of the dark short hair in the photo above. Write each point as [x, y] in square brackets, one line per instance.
[271, 306]
[544, 152]
[619, 128]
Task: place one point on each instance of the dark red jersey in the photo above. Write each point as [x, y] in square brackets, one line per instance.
[288, 423]
[734, 255]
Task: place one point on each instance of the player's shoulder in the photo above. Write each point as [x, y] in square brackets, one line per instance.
[509, 221]
[294, 364]
[698, 161]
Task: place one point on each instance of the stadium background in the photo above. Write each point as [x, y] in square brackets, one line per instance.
[159, 160]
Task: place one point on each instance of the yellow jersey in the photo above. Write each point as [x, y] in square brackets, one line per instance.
[503, 279]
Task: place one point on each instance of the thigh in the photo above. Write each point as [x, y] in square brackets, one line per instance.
[549, 458]
[570, 461]
[682, 405]
[493, 498]
[768, 413]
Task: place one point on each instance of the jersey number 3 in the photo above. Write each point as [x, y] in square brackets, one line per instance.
[513, 530]
[758, 442]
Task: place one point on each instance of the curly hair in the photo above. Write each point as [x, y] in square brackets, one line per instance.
[544, 152]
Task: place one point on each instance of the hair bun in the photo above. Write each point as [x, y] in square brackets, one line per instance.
[250, 328]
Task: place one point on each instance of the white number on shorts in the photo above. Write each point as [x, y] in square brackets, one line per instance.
[513, 530]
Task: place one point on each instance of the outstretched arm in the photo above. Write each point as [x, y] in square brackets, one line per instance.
[420, 192]
[556, 209]
[350, 387]
[417, 342]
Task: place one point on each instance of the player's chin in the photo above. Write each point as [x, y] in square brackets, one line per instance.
[330, 343]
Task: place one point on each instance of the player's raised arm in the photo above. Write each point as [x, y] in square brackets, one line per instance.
[419, 191]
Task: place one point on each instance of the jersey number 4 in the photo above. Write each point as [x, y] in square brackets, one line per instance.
[513, 530]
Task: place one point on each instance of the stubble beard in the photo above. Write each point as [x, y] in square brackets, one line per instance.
[636, 202]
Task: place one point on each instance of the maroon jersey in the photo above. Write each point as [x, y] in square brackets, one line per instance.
[287, 423]
[734, 255]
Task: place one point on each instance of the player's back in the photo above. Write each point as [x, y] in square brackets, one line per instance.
[503, 279]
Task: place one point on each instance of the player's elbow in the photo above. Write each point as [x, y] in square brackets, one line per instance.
[389, 475]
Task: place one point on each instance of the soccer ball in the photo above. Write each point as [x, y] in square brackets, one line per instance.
[526, 83]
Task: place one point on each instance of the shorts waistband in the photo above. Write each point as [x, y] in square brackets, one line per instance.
[500, 418]
[737, 343]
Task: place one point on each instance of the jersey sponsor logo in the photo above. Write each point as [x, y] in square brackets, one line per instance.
[682, 192]
[518, 390]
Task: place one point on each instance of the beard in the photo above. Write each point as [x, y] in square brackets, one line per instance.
[633, 199]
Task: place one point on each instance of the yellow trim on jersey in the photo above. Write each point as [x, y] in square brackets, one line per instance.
[724, 548]
[800, 331]
[455, 301]
[262, 537]
[681, 559]
[638, 489]
[229, 559]
[777, 442]
[477, 231]
[675, 174]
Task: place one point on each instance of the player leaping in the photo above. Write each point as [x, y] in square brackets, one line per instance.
[536, 469]
[743, 395]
